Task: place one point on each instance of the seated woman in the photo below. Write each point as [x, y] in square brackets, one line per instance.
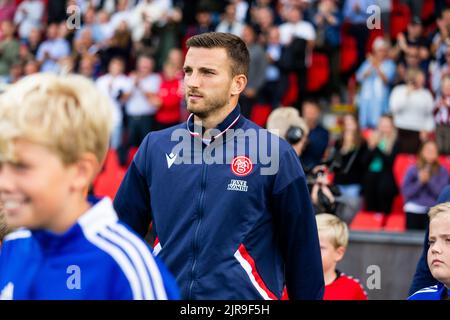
[379, 187]
[421, 186]
[348, 166]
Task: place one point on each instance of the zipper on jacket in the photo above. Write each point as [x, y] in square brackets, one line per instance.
[200, 216]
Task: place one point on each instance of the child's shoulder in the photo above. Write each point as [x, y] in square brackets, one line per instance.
[346, 287]
[428, 293]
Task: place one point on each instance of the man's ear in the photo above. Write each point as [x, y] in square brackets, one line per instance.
[84, 171]
[238, 85]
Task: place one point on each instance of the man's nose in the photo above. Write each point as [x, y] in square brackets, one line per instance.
[192, 80]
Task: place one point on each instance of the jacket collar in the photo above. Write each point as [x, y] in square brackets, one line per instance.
[232, 120]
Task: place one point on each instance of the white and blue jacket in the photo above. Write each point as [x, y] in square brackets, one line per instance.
[97, 258]
[436, 292]
[225, 232]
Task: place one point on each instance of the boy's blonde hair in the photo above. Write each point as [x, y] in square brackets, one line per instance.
[284, 117]
[439, 209]
[66, 114]
[334, 228]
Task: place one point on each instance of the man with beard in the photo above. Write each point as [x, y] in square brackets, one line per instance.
[226, 227]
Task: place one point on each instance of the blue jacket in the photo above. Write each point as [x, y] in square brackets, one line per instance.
[97, 258]
[423, 277]
[225, 234]
[435, 292]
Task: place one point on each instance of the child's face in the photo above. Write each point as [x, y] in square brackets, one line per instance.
[439, 251]
[35, 190]
[330, 254]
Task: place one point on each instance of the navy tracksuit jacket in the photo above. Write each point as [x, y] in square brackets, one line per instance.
[225, 231]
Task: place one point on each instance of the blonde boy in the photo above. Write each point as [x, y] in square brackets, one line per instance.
[333, 238]
[438, 254]
[54, 134]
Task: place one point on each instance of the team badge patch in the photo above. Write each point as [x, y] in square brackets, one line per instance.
[241, 166]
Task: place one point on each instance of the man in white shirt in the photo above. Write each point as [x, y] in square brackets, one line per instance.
[141, 103]
[52, 49]
[115, 85]
[28, 16]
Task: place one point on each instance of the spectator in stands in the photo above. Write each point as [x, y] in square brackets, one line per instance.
[438, 254]
[421, 186]
[256, 73]
[411, 60]
[264, 23]
[355, 12]
[170, 98]
[442, 117]
[327, 22]
[287, 123]
[375, 76]
[34, 40]
[318, 136]
[9, 48]
[333, 238]
[203, 23]
[412, 38]
[140, 106]
[438, 72]
[379, 187]
[412, 107]
[120, 44]
[31, 67]
[423, 277]
[115, 85]
[7, 10]
[229, 23]
[298, 35]
[29, 15]
[441, 39]
[52, 49]
[347, 164]
[275, 82]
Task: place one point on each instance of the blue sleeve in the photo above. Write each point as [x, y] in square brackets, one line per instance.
[132, 201]
[296, 225]
[423, 277]
[169, 281]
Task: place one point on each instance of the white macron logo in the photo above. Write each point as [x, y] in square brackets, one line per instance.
[170, 159]
[238, 185]
[7, 292]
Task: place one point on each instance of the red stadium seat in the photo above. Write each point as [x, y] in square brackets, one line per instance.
[400, 17]
[445, 161]
[291, 94]
[260, 113]
[367, 221]
[349, 53]
[427, 10]
[108, 181]
[318, 72]
[401, 164]
[396, 222]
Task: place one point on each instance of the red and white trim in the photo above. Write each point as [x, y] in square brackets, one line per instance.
[247, 262]
[156, 247]
[195, 134]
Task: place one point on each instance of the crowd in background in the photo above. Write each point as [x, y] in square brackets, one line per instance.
[134, 51]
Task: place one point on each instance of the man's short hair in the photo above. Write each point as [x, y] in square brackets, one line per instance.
[236, 49]
[281, 119]
[334, 228]
[438, 210]
[66, 114]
